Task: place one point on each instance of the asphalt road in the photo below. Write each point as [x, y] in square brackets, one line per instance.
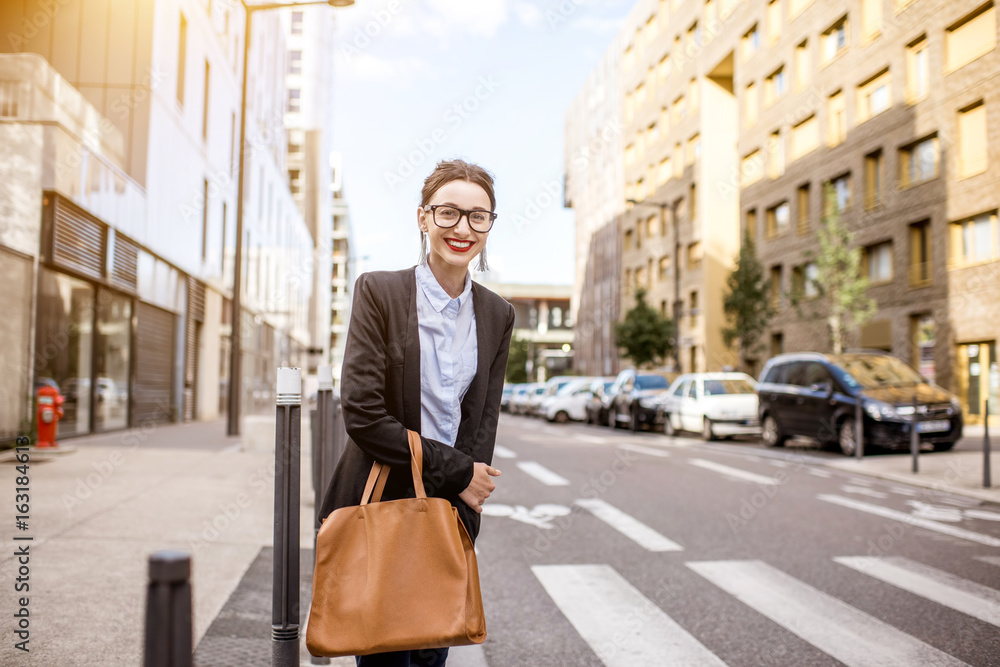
[603, 547]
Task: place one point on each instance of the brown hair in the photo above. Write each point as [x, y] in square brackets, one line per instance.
[447, 171]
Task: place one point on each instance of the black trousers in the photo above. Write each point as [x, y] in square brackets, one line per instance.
[426, 657]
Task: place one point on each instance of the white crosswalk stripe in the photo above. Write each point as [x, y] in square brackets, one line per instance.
[992, 560]
[622, 626]
[735, 473]
[542, 474]
[903, 517]
[645, 450]
[503, 452]
[628, 525]
[942, 587]
[834, 627]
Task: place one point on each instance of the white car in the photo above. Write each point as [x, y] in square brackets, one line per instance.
[570, 402]
[713, 404]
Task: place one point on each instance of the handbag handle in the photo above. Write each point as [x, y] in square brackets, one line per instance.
[380, 473]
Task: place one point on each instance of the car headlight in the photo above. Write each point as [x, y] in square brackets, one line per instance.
[879, 410]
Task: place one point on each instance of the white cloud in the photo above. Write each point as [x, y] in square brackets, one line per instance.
[528, 14]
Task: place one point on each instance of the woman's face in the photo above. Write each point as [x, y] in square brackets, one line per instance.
[459, 244]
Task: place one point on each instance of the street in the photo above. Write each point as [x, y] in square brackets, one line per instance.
[621, 548]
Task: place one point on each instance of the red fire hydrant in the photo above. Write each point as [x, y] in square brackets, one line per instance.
[48, 413]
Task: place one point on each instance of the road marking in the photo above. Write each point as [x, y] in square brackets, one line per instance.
[942, 587]
[503, 452]
[592, 439]
[863, 491]
[232, 449]
[903, 491]
[540, 515]
[542, 474]
[735, 473]
[628, 525]
[912, 520]
[778, 464]
[644, 450]
[846, 633]
[819, 473]
[992, 560]
[621, 625]
[981, 514]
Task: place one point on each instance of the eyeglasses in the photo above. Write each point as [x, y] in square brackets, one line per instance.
[448, 216]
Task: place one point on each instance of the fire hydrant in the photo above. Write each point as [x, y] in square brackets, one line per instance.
[48, 413]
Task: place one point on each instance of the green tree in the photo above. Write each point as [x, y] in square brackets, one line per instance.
[842, 287]
[747, 304]
[520, 352]
[645, 335]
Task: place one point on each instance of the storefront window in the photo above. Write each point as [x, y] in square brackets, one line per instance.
[64, 345]
[114, 328]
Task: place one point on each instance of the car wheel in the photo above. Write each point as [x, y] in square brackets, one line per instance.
[847, 437]
[706, 432]
[770, 432]
[562, 417]
[634, 422]
[612, 418]
[943, 446]
[668, 425]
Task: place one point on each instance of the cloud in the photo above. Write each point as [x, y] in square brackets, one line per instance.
[596, 24]
[480, 18]
[528, 14]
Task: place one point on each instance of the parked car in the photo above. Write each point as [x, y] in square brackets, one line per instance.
[635, 397]
[508, 391]
[816, 396]
[519, 399]
[534, 401]
[713, 404]
[597, 404]
[570, 402]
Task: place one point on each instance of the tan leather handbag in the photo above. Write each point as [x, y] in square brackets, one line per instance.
[394, 575]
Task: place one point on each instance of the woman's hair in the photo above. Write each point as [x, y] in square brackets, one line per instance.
[445, 172]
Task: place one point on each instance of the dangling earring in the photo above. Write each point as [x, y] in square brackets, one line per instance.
[423, 248]
[482, 266]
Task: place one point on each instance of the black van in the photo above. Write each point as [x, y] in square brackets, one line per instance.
[815, 395]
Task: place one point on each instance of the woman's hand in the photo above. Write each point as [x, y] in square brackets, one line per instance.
[480, 487]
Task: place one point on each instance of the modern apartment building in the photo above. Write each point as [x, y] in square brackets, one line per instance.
[739, 114]
[346, 267]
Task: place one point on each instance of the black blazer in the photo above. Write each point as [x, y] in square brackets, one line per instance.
[380, 395]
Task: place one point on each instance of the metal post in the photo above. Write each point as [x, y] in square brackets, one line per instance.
[322, 453]
[285, 583]
[169, 638]
[987, 483]
[915, 438]
[859, 428]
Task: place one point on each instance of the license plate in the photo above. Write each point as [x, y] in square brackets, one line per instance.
[933, 426]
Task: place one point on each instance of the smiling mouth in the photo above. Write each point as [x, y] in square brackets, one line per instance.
[458, 246]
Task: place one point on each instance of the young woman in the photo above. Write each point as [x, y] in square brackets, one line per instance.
[427, 351]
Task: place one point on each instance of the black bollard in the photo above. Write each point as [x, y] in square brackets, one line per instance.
[987, 483]
[915, 437]
[285, 582]
[322, 452]
[169, 638]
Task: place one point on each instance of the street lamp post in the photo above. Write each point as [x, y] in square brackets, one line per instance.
[677, 269]
[235, 348]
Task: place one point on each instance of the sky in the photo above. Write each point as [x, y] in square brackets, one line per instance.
[489, 81]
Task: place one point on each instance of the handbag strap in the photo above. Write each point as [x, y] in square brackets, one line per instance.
[375, 484]
[417, 463]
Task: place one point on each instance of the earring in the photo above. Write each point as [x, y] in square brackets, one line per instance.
[482, 267]
[423, 248]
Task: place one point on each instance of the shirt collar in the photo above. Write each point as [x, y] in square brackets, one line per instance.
[435, 294]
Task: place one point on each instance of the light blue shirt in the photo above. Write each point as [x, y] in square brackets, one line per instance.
[449, 354]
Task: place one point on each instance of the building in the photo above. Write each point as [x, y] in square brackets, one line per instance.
[740, 114]
[345, 269]
[125, 221]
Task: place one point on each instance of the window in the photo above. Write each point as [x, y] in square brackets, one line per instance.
[652, 134]
[693, 198]
[693, 95]
[805, 137]
[795, 7]
[204, 220]
[628, 280]
[834, 40]
[638, 234]
[751, 224]
[777, 344]
[775, 286]
[663, 69]
[773, 21]
[295, 62]
[294, 98]
[294, 142]
[181, 58]
[971, 37]
[750, 104]
[295, 181]
[664, 268]
[678, 160]
[776, 154]
[917, 70]
[651, 226]
[204, 106]
[693, 38]
[811, 282]
[630, 154]
[629, 107]
[752, 168]
[640, 277]
[663, 174]
[871, 18]
[878, 262]
[803, 207]
[680, 110]
[750, 42]
[975, 240]
[920, 253]
[972, 141]
[693, 149]
[803, 65]
[628, 239]
[836, 118]
[777, 219]
[774, 86]
[841, 195]
[874, 190]
[918, 162]
[693, 312]
[694, 256]
[297, 23]
[874, 96]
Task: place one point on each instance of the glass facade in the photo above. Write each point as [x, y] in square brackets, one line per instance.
[111, 360]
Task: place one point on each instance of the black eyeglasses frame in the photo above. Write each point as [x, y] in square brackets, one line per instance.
[461, 212]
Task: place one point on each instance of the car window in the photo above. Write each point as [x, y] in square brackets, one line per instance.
[815, 373]
[682, 388]
[692, 389]
[876, 370]
[796, 374]
[777, 374]
[607, 386]
[734, 386]
[651, 382]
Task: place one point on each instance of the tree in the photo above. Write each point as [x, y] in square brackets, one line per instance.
[747, 304]
[645, 335]
[842, 287]
[520, 352]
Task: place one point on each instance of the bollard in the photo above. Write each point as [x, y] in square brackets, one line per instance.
[285, 581]
[987, 482]
[859, 428]
[915, 437]
[169, 640]
[322, 453]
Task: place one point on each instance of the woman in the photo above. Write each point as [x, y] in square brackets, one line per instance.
[427, 351]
